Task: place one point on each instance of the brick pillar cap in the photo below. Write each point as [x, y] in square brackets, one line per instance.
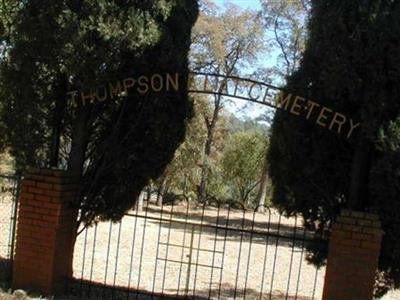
[51, 172]
[359, 214]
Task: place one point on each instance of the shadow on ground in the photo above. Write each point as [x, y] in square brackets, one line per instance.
[234, 228]
[5, 272]
[81, 289]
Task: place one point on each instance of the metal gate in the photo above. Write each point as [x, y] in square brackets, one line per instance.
[9, 189]
[199, 252]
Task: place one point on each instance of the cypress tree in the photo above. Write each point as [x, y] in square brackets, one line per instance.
[351, 65]
[53, 47]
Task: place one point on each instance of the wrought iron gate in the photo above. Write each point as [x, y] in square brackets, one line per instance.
[200, 252]
[9, 189]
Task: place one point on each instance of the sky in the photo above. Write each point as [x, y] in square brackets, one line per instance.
[253, 4]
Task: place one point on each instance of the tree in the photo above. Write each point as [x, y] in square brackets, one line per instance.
[223, 43]
[286, 22]
[351, 64]
[264, 185]
[181, 173]
[116, 146]
[242, 163]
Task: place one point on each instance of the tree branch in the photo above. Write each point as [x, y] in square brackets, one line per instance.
[285, 56]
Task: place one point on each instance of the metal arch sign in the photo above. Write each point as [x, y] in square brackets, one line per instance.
[229, 86]
[269, 95]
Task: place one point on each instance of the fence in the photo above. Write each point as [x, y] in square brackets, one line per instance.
[206, 252]
[182, 251]
[9, 188]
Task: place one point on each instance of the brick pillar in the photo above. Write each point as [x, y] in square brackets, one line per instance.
[46, 228]
[354, 249]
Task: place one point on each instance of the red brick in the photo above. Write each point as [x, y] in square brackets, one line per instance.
[35, 190]
[373, 230]
[41, 223]
[52, 193]
[26, 195]
[352, 228]
[28, 215]
[25, 208]
[45, 186]
[345, 212]
[341, 234]
[43, 198]
[53, 205]
[44, 224]
[366, 223]
[27, 182]
[372, 216]
[352, 243]
[40, 210]
[59, 173]
[50, 219]
[352, 261]
[371, 245]
[336, 226]
[35, 177]
[346, 220]
[55, 180]
[358, 214]
[362, 236]
[377, 224]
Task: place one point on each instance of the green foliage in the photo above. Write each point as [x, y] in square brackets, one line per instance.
[223, 42]
[118, 146]
[235, 171]
[6, 164]
[182, 174]
[351, 64]
[242, 163]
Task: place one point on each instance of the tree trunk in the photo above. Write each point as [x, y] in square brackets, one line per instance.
[159, 198]
[74, 235]
[58, 115]
[246, 200]
[359, 180]
[262, 192]
[139, 204]
[160, 192]
[79, 141]
[207, 150]
[165, 189]
[77, 154]
[205, 168]
[148, 193]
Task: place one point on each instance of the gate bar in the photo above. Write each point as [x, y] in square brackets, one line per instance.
[14, 218]
[315, 239]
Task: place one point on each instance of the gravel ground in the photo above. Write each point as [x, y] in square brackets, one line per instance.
[6, 211]
[242, 255]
